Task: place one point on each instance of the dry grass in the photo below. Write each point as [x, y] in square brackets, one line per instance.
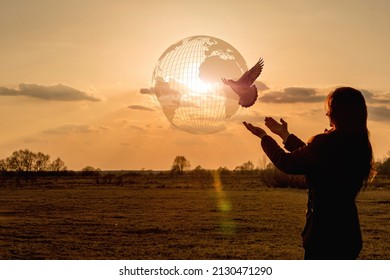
[169, 218]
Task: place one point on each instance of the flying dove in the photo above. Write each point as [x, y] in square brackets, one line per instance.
[244, 86]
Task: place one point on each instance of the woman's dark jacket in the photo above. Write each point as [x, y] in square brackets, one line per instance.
[333, 164]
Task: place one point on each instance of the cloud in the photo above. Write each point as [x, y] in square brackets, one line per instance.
[146, 91]
[311, 95]
[58, 92]
[136, 127]
[140, 107]
[292, 95]
[261, 86]
[380, 113]
[376, 98]
[70, 128]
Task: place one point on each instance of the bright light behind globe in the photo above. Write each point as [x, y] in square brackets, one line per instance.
[187, 84]
[193, 82]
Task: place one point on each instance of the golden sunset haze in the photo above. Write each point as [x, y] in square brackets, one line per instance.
[71, 74]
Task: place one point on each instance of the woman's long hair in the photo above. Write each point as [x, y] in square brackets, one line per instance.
[348, 114]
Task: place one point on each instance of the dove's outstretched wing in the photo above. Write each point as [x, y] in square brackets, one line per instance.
[250, 76]
[244, 87]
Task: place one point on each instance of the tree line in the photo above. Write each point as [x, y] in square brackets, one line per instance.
[269, 174]
[181, 164]
[28, 161]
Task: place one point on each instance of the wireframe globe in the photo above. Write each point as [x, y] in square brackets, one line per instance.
[187, 84]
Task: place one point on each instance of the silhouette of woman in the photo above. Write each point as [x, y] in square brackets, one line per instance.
[337, 163]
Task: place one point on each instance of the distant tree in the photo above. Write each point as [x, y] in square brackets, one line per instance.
[28, 161]
[90, 169]
[384, 168]
[223, 170]
[22, 160]
[41, 162]
[272, 177]
[180, 164]
[198, 168]
[247, 166]
[199, 171]
[57, 165]
[262, 162]
[3, 165]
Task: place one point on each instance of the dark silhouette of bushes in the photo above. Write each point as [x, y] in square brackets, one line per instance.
[384, 168]
[25, 168]
[274, 178]
[28, 161]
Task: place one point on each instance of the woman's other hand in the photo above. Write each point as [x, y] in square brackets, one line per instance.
[259, 132]
[277, 128]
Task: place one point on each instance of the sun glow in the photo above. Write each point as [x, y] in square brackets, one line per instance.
[198, 86]
[193, 82]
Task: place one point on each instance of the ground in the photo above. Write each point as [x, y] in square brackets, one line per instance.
[167, 217]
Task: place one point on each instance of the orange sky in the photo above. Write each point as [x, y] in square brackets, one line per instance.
[71, 73]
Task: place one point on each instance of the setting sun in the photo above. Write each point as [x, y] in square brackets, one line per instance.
[192, 80]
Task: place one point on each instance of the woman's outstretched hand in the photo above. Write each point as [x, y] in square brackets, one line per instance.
[277, 128]
[259, 132]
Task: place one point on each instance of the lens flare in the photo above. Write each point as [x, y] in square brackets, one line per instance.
[224, 206]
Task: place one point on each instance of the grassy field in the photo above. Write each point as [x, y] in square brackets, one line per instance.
[151, 217]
